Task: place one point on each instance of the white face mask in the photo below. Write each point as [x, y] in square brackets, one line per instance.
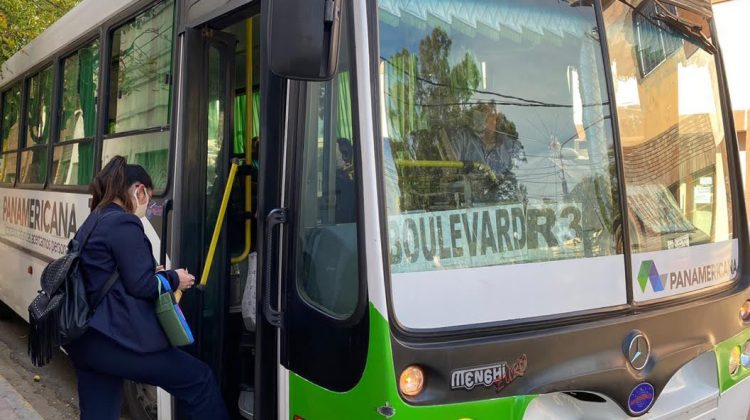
[140, 209]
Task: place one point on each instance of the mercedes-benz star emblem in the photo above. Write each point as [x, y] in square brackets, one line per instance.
[637, 350]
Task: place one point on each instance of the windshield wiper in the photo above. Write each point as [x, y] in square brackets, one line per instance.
[694, 32]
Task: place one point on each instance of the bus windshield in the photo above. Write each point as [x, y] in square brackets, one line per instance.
[674, 147]
[671, 127]
[498, 153]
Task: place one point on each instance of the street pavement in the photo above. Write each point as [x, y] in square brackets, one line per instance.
[13, 406]
[29, 392]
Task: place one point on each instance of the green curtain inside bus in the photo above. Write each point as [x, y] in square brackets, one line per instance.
[400, 96]
[240, 109]
[344, 123]
[343, 128]
[89, 69]
[73, 162]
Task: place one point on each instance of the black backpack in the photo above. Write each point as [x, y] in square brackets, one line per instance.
[60, 312]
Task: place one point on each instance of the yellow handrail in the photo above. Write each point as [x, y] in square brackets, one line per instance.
[248, 137]
[219, 222]
[406, 163]
[217, 228]
[430, 163]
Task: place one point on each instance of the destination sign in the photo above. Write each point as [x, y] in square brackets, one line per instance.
[482, 236]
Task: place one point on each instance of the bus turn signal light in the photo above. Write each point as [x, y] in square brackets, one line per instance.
[745, 358]
[734, 360]
[411, 382]
[745, 311]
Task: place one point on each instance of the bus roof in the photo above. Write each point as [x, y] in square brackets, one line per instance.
[78, 22]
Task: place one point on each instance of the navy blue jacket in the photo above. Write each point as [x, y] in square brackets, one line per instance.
[126, 314]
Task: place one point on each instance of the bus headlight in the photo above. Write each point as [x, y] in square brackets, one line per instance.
[411, 381]
[745, 311]
[734, 360]
[745, 358]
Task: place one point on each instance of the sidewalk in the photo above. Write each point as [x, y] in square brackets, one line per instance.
[13, 406]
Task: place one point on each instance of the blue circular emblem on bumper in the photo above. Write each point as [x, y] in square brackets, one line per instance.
[641, 398]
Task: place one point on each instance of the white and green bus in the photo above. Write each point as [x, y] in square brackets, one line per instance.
[435, 209]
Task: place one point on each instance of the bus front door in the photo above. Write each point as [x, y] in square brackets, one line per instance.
[207, 152]
[323, 313]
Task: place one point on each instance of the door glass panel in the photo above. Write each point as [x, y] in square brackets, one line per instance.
[327, 267]
[215, 139]
[215, 181]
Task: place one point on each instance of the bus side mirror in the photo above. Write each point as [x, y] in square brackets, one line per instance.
[303, 38]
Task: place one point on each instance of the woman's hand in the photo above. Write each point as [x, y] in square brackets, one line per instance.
[187, 280]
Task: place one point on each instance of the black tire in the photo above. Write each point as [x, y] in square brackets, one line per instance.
[140, 401]
[6, 312]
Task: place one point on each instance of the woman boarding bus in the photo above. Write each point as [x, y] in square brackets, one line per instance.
[462, 209]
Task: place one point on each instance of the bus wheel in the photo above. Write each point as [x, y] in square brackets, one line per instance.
[140, 400]
[5, 311]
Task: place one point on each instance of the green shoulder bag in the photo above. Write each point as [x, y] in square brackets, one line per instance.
[170, 316]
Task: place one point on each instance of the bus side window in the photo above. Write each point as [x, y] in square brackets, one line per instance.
[37, 133]
[327, 267]
[11, 125]
[73, 155]
[140, 65]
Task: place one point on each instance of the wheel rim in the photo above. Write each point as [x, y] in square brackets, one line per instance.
[146, 396]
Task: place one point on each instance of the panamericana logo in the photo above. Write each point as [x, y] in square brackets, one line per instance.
[684, 278]
[649, 274]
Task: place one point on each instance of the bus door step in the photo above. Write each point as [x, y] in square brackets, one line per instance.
[247, 404]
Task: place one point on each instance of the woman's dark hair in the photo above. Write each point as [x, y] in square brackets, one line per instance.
[113, 181]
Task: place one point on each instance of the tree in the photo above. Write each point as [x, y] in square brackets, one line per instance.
[23, 20]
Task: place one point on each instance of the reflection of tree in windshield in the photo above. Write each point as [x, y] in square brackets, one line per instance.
[499, 107]
[441, 123]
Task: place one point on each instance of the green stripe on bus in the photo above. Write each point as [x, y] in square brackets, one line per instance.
[377, 387]
[723, 350]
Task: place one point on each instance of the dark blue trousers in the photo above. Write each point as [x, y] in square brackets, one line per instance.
[101, 366]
